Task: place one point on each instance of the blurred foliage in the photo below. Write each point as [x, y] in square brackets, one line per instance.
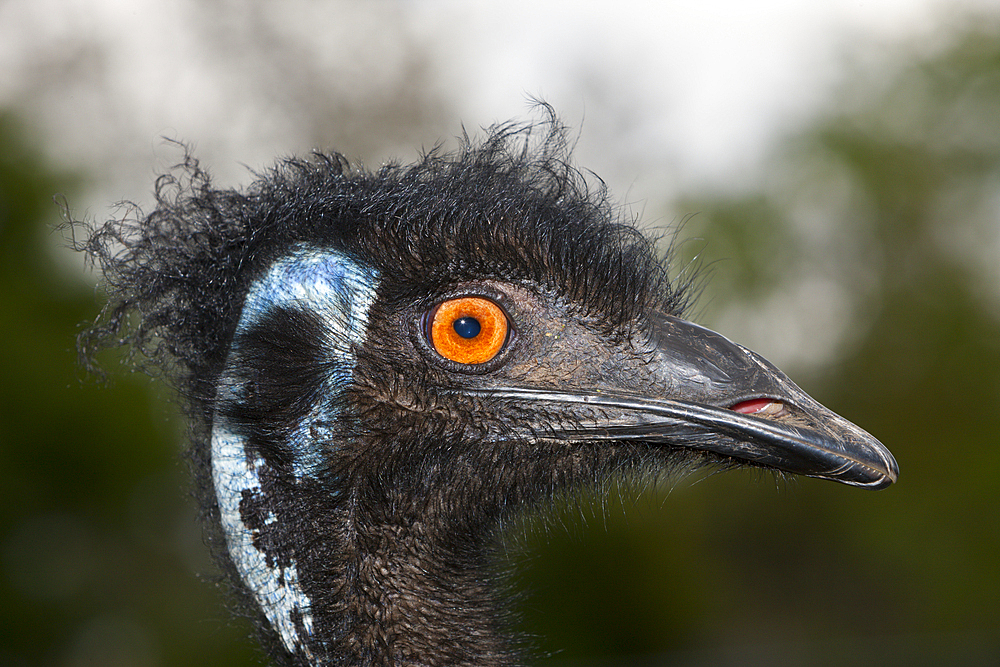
[885, 213]
[99, 549]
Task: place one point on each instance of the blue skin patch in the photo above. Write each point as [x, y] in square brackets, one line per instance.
[276, 588]
[340, 291]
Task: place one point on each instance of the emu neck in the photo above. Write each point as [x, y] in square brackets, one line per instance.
[419, 581]
[390, 576]
[417, 593]
[369, 566]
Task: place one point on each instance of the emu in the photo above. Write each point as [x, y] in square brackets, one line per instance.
[383, 368]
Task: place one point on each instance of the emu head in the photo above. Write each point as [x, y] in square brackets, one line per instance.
[382, 367]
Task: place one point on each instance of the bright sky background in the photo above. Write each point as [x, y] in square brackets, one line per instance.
[708, 83]
[666, 92]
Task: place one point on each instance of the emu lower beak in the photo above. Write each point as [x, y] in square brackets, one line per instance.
[713, 395]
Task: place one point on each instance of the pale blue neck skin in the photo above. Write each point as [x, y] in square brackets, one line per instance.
[339, 291]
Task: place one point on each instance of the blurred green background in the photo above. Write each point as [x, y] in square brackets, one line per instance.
[872, 235]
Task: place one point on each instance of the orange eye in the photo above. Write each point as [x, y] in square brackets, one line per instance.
[468, 330]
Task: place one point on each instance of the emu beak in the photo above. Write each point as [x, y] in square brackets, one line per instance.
[769, 420]
[707, 393]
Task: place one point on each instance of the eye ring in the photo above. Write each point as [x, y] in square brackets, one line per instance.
[468, 329]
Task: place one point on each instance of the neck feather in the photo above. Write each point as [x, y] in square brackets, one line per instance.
[367, 575]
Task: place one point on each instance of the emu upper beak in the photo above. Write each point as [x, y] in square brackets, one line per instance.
[710, 394]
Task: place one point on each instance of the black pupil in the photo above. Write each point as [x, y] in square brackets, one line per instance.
[467, 327]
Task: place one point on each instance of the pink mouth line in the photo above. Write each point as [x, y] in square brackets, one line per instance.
[759, 406]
